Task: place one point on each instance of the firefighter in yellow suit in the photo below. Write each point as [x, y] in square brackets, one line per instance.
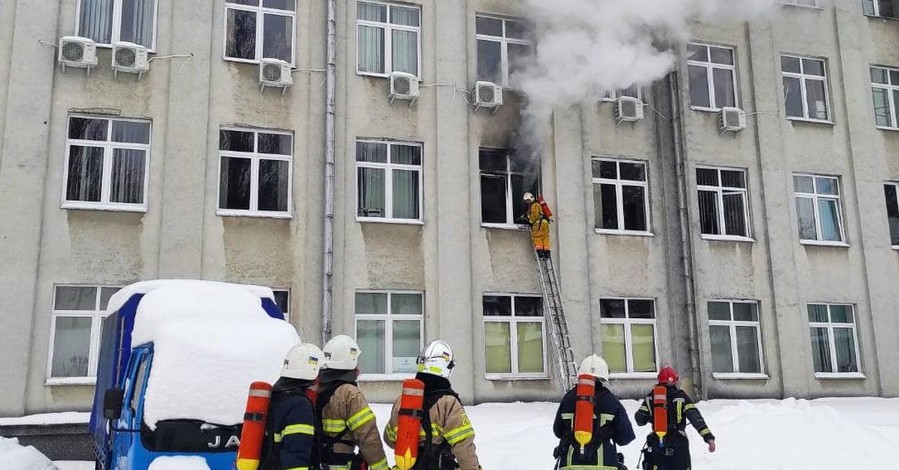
[539, 225]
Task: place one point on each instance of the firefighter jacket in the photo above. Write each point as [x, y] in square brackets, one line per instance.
[539, 226]
[611, 427]
[452, 436]
[680, 409]
[290, 431]
[346, 422]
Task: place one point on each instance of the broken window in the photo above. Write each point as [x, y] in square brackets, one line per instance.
[260, 29]
[620, 195]
[505, 178]
[723, 206]
[713, 76]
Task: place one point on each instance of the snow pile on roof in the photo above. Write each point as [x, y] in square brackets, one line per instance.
[18, 457]
[43, 419]
[178, 463]
[119, 298]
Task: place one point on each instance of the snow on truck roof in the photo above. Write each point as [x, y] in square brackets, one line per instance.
[121, 297]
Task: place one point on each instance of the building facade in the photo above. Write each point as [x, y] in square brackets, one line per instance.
[779, 242]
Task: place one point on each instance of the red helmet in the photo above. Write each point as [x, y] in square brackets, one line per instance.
[668, 376]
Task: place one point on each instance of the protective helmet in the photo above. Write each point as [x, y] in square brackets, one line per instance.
[595, 366]
[302, 362]
[341, 352]
[668, 376]
[437, 359]
[528, 197]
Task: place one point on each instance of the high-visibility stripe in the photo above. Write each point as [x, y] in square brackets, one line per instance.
[644, 408]
[705, 432]
[690, 406]
[333, 425]
[436, 430]
[379, 465]
[391, 432]
[360, 418]
[297, 468]
[413, 391]
[567, 415]
[260, 393]
[456, 435]
[306, 429]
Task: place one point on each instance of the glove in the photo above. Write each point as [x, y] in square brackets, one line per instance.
[711, 445]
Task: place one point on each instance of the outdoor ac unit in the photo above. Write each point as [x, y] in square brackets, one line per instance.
[487, 95]
[129, 57]
[276, 73]
[403, 86]
[731, 119]
[628, 109]
[75, 51]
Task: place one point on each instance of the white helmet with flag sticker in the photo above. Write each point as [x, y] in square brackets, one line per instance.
[341, 352]
[437, 359]
[595, 366]
[302, 362]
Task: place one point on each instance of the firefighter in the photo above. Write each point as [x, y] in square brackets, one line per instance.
[674, 451]
[539, 225]
[610, 424]
[447, 437]
[344, 417]
[290, 430]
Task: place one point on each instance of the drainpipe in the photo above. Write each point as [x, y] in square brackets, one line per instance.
[328, 263]
[686, 247]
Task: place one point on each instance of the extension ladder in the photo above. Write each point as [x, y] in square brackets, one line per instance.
[554, 312]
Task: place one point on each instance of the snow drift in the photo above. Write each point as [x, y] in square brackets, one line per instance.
[18, 457]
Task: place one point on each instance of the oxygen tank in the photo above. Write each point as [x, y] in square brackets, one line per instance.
[409, 423]
[660, 412]
[583, 410]
[253, 432]
[547, 212]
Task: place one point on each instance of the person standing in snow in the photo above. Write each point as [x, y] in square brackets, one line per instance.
[447, 439]
[611, 425]
[290, 430]
[344, 418]
[674, 451]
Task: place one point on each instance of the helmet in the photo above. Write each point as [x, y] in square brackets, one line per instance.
[302, 362]
[528, 197]
[341, 352]
[437, 359]
[595, 366]
[668, 376]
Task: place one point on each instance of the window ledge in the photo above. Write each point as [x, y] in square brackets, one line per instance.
[728, 238]
[824, 243]
[885, 128]
[252, 61]
[896, 247]
[109, 46]
[704, 109]
[629, 233]
[378, 220]
[514, 378]
[379, 75]
[385, 377]
[878, 17]
[520, 228]
[91, 206]
[261, 215]
[840, 375]
[70, 381]
[739, 376]
[633, 375]
[806, 7]
[811, 121]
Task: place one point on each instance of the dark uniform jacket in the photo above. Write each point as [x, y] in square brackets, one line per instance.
[611, 426]
[290, 430]
[680, 409]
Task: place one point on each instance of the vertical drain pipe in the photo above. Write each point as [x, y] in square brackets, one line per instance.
[330, 150]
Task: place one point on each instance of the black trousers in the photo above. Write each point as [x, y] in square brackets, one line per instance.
[674, 454]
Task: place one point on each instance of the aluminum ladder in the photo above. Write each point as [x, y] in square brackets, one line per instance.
[554, 312]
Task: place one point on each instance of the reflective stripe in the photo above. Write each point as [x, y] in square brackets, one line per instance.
[277, 437]
[391, 432]
[297, 468]
[306, 429]
[333, 425]
[260, 393]
[690, 406]
[360, 418]
[415, 392]
[643, 408]
[379, 465]
[679, 402]
[705, 432]
[459, 434]
[436, 430]
[567, 415]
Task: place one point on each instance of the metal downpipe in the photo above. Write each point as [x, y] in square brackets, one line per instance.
[330, 150]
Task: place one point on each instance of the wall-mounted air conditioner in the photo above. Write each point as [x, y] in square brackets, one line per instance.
[487, 95]
[75, 51]
[403, 86]
[275, 73]
[129, 57]
[628, 109]
[731, 120]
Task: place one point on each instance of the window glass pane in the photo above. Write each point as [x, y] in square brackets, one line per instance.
[516, 29]
[748, 349]
[789, 64]
[633, 171]
[745, 311]
[793, 97]
[371, 303]
[830, 222]
[105, 294]
[405, 154]
[492, 160]
[724, 88]
[844, 342]
[493, 199]
[234, 184]
[721, 55]
[708, 212]
[633, 199]
[817, 313]
[640, 308]
[611, 308]
[370, 49]
[75, 298]
[882, 113]
[244, 2]
[887, 8]
[370, 334]
[518, 55]
[498, 305]
[530, 347]
[282, 300]
[605, 169]
[892, 200]
[643, 348]
[371, 12]
[71, 347]
[127, 179]
[372, 192]
[805, 208]
[719, 311]
[697, 52]
[275, 144]
[405, 194]
[894, 77]
[288, 5]
[139, 381]
[804, 184]
[707, 177]
[868, 7]
[137, 22]
[277, 40]
[405, 304]
[528, 307]
[240, 42]
[813, 67]
[840, 314]
[613, 347]
[733, 179]
[95, 20]
[405, 51]
[371, 152]
[85, 174]
[632, 91]
[821, 350]
[605, 200]
[406, 345]
[497, 337]
[722, 360]
[879, 75]
[489, 26]
[236, 141]
[88, 129]
[133, 132]
[817, 102]
[827, 186]
[274, 185]
[735, 214]
[404, 16]
[699, 86]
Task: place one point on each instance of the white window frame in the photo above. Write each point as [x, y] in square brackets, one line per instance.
[97, 316]
[613, 95]
[108, 152]
[627, 321]
[803, 77]
[895, 185]
[254, 158]
[815, 197]
[389, 168]
[800, 4]
[513, 321]
[891, 89]
[831, 341]
[876, 6]
[619, 184]
[388, 28]
[719, 192]
[510, 198]
[504, 42]
[117, 23]
[710, 75]
[260, 30]
[734, 351]
[388, 319]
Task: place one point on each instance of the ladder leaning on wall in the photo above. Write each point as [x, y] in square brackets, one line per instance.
[554, 312]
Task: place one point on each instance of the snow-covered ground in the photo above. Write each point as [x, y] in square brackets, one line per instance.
[825, 434]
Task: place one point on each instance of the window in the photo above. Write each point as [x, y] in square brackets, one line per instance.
[834, 339]
[736, 337]
[628, 335]
[502, 47]
[620, 196]
[75, 331]
[818, 208]
[881, 8]
[891, 193]
[255, 31]
[805, 88]
[388, 181]
[634, 91]
[255, 173]
[282, 300]
[387, 39]
[713, 76]
[106, 163]
[806, 3]
[513, 333]
[723, 209]
[885, 88]
[110, 21]
[505, 177]
[389, 331]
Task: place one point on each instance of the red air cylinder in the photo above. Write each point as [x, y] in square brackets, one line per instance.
[660, 411]
[409, 423]
[583, 409]
[547, 212]
[253, 432]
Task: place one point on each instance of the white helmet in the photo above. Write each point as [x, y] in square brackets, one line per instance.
[437, 359]
[595, 366]
[528, 197]
[302, 362]
[341, 352]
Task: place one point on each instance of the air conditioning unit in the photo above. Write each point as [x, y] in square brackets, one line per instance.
[628, 109]
[731, 119]
[487, 95]
[403, 86]
[79, 52]
[130, 58]
[276, 73]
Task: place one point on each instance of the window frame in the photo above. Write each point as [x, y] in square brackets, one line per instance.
[510, 198]
[612, 96]
[815, 197]
[108, 151]
[732, 325]
[831, 341]
[892, 90]
[710, 75]
[504, 42]
[802, 77]
[117, 24]
[876, 7]
[719, 199]
[895, 185]
[389, 168]
[388, 28]
[619, 184]
[259, 10]
[513, 321]
[255, 158]
[388, 319]
[287, 291]
[796, 3]
[627, 321]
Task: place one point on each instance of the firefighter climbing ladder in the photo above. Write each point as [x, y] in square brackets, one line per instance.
[555, 316]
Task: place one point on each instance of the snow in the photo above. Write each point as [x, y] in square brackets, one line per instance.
[18, 457]
[178, 463]
[119, 298]
[68, 417]
[74, 465]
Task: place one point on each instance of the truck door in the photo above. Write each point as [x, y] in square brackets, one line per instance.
[127, 451]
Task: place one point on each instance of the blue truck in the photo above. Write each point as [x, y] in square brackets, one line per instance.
[160, 344]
